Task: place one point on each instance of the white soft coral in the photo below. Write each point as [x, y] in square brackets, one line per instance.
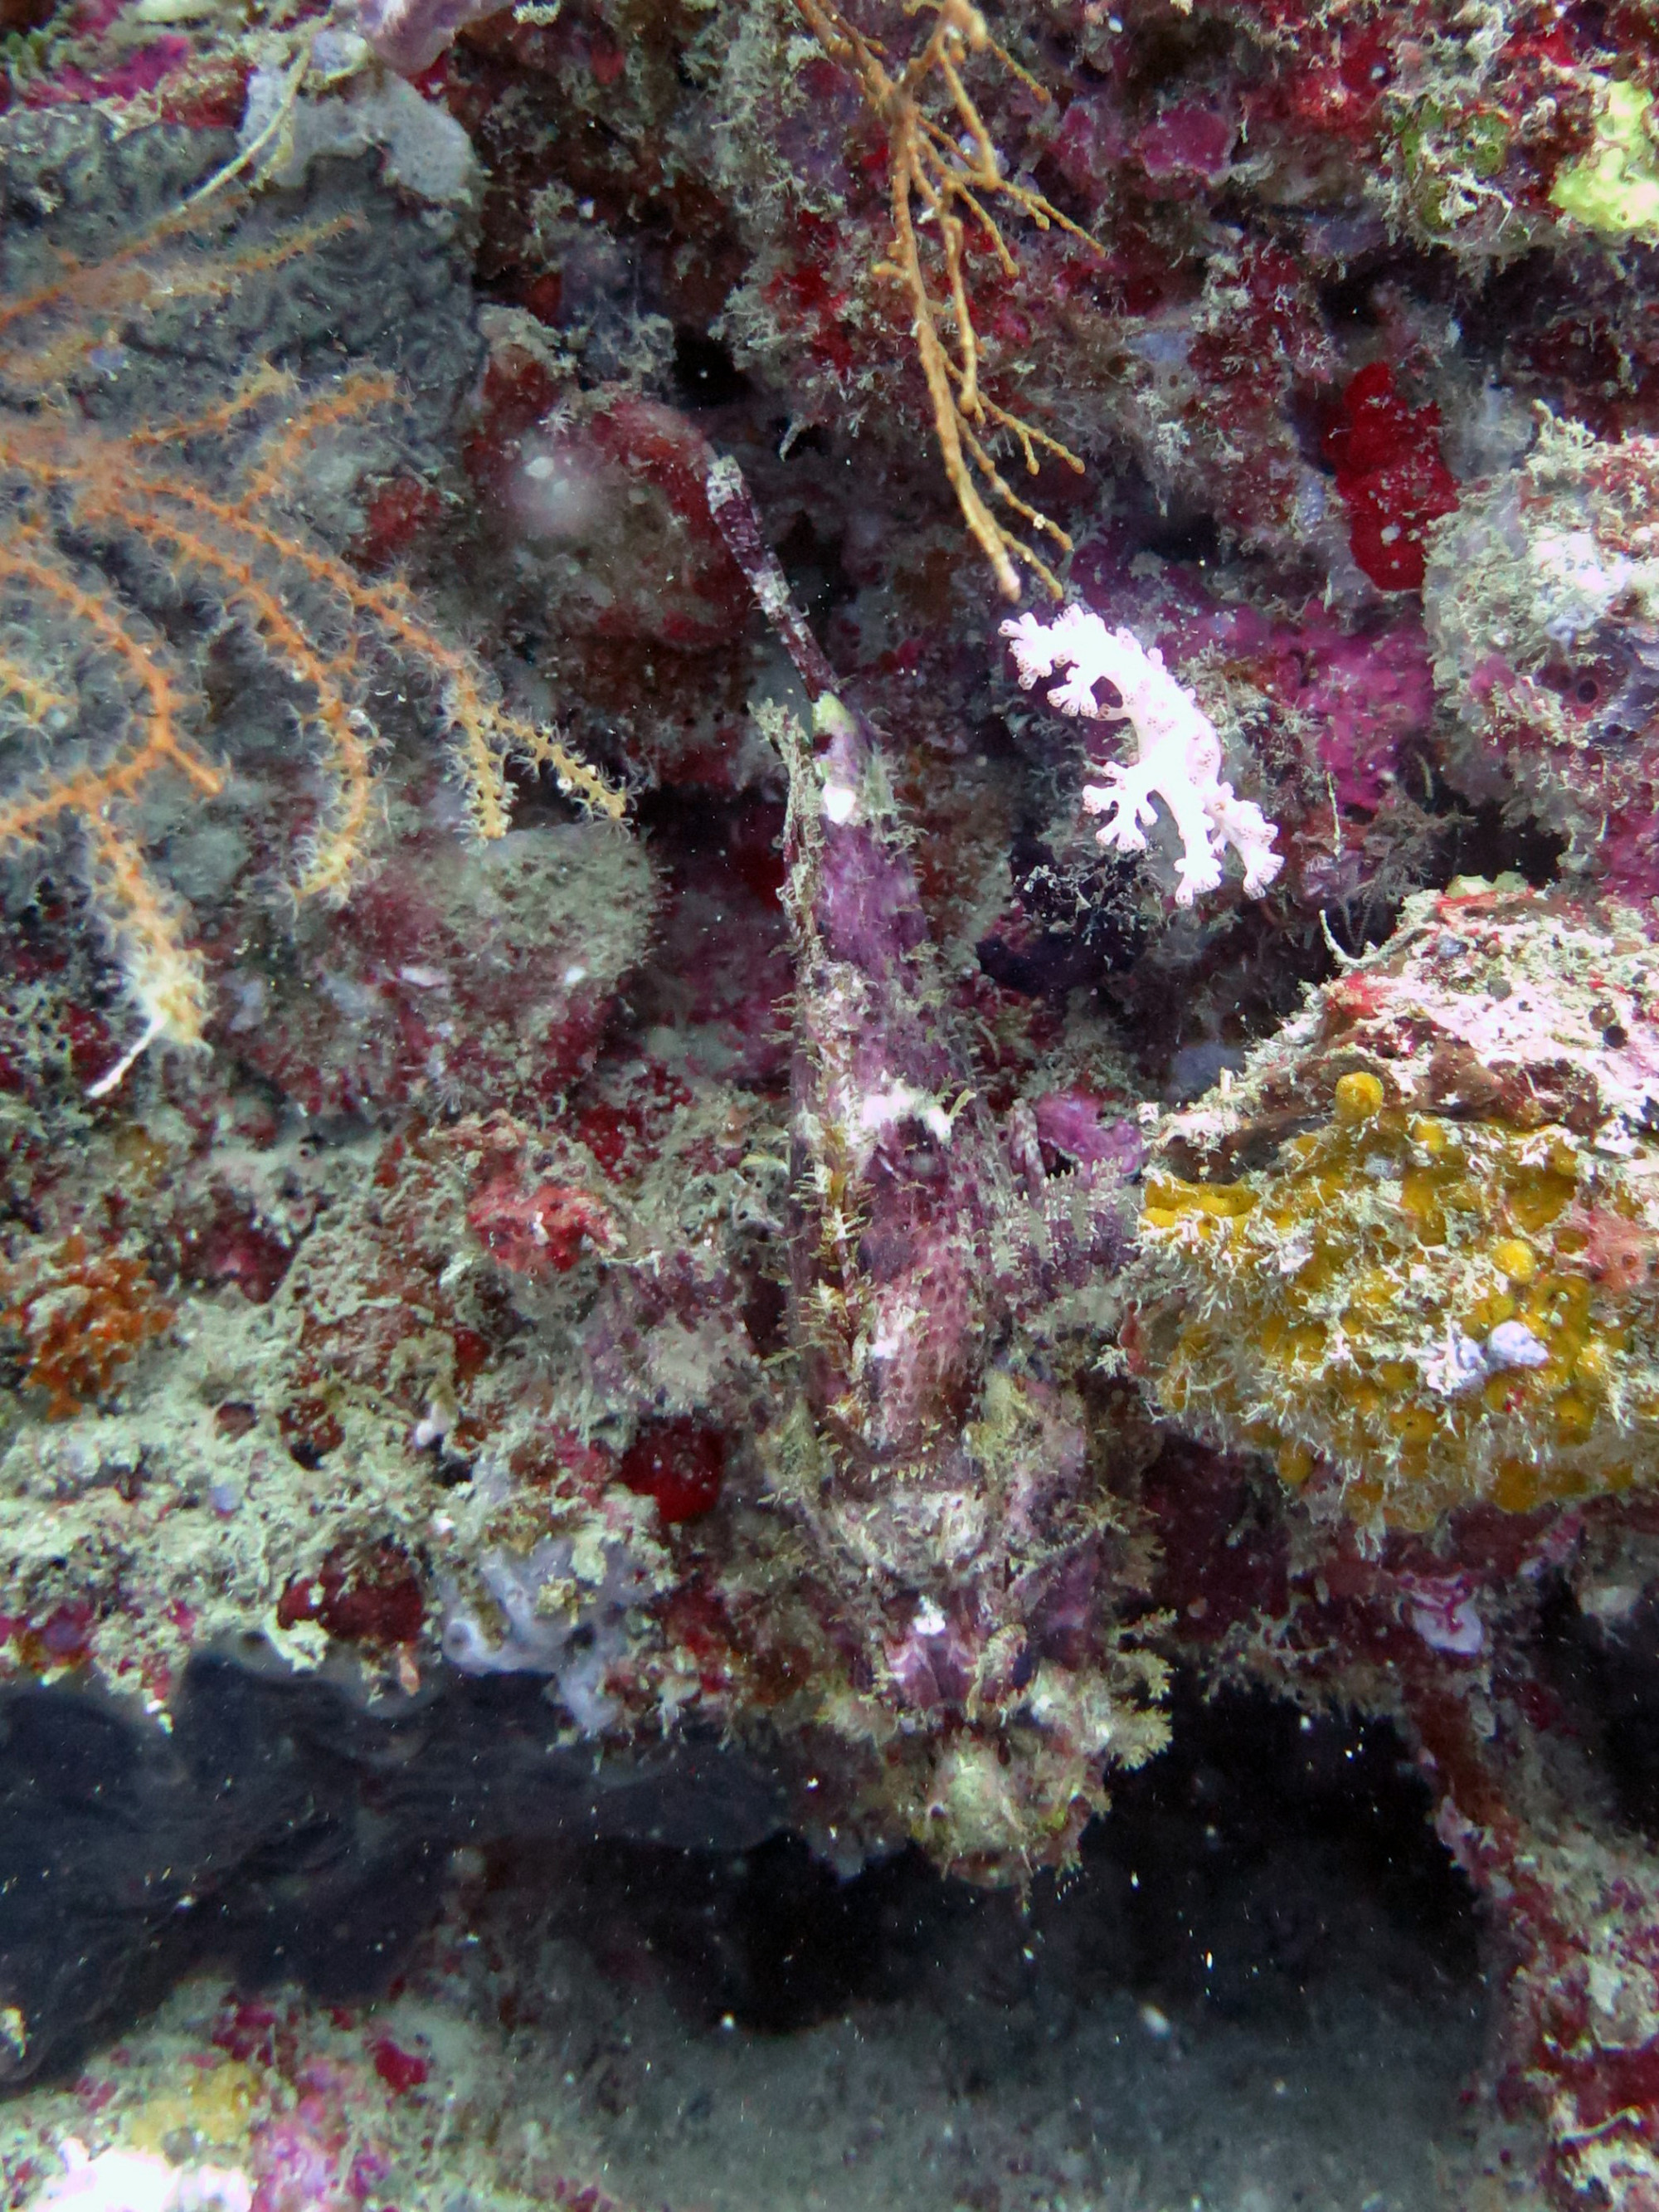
[1180, 755]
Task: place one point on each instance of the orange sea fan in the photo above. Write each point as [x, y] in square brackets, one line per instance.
[110, 705]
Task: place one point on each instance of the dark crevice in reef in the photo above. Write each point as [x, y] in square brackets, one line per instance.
[1605, 1670]
[1481, 841]
[1275, 1849]
[705, 375]
[1268, 1857]
[289, 1832]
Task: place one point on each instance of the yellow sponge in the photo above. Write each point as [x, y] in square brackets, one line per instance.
[1413, 1253]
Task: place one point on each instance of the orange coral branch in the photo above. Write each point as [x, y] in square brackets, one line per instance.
[163, 974]
[146, 925]
[348, 747]
[89, 791]
[124, 280]
[263, 383]
[353, 397]
[929, 170]
[37, 697]
[484, 731]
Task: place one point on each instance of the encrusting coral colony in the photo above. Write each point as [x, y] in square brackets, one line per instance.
[808, 1163]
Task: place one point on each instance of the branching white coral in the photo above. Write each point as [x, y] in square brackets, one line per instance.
[1180, 755]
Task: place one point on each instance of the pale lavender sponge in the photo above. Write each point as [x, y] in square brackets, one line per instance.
[409, 35]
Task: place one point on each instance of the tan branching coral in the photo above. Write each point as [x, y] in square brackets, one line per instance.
[943, 179]
[112, 706]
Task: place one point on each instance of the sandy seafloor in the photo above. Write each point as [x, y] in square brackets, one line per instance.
[894, 2046]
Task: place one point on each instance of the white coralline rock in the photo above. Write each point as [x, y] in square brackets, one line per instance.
[137, 2181]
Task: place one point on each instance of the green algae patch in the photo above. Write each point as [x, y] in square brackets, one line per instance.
[1614, 188]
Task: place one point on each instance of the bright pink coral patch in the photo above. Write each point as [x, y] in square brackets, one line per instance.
[678, 1463]
[538, 1233]
[401, 2070]
[1388, 469]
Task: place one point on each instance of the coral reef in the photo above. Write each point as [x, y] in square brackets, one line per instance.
[124, 2180]
[77, 1318]
[933, 1245]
